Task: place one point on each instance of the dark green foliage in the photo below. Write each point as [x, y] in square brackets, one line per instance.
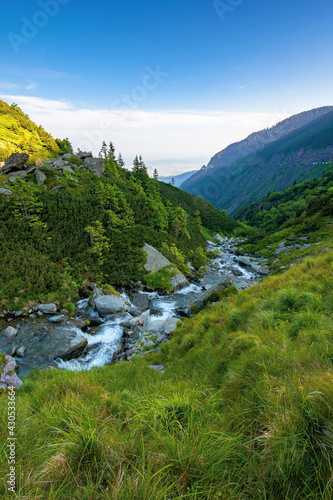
[95, 228]
[160, 280]
[291, 206]
[64, 146]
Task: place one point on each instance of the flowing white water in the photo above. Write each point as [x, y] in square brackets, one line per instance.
[102, 346]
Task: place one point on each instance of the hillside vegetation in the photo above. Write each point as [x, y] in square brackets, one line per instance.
[243, 409]
[300, 154]
[77, 226]
[19, 134]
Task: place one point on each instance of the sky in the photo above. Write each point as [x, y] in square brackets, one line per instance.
[174, 81]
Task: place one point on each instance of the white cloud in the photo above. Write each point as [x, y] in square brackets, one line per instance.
[186, 137]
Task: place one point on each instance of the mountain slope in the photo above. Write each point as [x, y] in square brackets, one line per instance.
[19, 134]
[299, 155]
[178, 179]
[78, 226]
[241, 410]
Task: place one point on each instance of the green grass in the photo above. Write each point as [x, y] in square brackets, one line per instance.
[242, 411]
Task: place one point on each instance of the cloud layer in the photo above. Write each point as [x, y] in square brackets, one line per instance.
[178, 137]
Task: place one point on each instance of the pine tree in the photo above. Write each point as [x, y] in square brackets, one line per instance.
[111, 151]
[136, 165]
[120, 161]
[103, 152]
[155, 174]
[100, 244]
[142, 164]
[173, 182]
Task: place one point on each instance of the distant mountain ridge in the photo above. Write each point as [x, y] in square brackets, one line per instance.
[270, 159]
[179, 179]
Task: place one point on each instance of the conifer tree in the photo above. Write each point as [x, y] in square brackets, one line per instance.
[120, 161]
[111, 151]
[155, 174]
[104, 151]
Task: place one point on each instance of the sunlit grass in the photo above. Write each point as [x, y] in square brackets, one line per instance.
[242, 411]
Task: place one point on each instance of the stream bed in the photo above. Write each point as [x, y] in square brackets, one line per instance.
[60, 342]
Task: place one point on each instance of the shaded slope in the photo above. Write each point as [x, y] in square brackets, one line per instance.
[298, 156]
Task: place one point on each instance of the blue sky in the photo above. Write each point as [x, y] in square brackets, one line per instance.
[175, 81]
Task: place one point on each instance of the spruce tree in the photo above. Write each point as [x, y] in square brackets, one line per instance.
[111, 151]
[120, 161]
[103, 151]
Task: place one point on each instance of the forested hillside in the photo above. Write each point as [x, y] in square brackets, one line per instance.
[242, 408]
[80, 226]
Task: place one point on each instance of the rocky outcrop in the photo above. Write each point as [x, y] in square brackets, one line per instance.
[155, 260]
[8, 377]
[95, 166]
[178, 282]
[14, 163]
[111, 304]
[84, 154]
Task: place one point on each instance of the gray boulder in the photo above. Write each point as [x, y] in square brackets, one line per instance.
[6, 192]
[40, 177]
[19, 173]
[244, 262]
[8, 377]
[261, 270]
[31, 169]
[155, 260]
[10, 332]
[225, 282]
[58, 164]
[20, 352]
[47, 308]
[170, 325]
[84, 154]
[68, 168]
[15, 162]
[70, 347]
[141, 301]
[95, 166]
[179, 281]
[111, 304]
[61, 318]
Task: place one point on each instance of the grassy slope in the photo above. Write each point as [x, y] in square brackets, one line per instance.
[243, 410]
[19, 134]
